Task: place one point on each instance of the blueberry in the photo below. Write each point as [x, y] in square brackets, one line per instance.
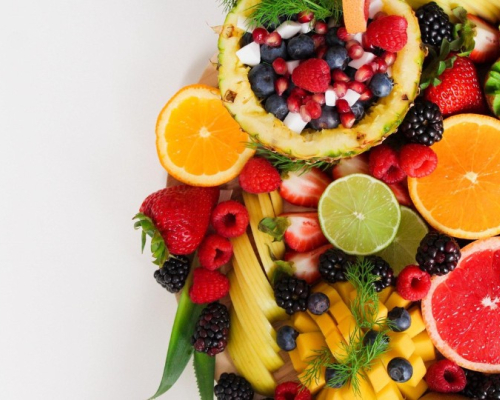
[358, 110]
[301, 47]
[247, 38]
[318, 303]
[381, 85]
[401, 319]
[268, 54]
[285, 338]
[371, 336]
[329, 375]
[332, 39]
[400, 370]
[329, 119]
[336, 57]
[262, 78]
[277, 105]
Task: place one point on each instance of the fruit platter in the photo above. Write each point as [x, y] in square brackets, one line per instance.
[331, 217]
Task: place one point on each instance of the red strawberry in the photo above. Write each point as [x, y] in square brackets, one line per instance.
[388, 33]
[179, 215]
[306, 265]
[312, 75]
[301, 231]
[304, 188]
[459, 90]
[487, 41]
[208, 286]
[354, 165]
[400, 190]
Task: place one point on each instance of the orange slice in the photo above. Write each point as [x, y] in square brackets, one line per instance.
[197, 140]
[355, 15]
[462, 196]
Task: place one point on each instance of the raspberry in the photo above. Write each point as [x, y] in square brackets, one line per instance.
[312, 75]
[230, 219]
[259, 176]
[291, 391]
[413, 283]
[384, 164]
[446, 377]
[417, 160]
[214, 251]
[388, 33]
[208, 286]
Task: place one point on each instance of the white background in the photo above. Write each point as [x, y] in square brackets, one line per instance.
[81, 85]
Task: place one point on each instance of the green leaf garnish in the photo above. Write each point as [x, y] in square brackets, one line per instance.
[159, 249]
[228, 5]
[275, 227]
[280, 270]
[204, 369]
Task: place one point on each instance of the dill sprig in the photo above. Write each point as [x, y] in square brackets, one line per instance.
[228, 4]
[315, 365]
[268, 12]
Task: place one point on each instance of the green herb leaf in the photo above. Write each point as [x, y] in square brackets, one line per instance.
[275, 227]
[204, 369]
[228, 4]
[180, 348]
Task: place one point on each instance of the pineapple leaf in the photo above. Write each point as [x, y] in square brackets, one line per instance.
[228, 5]
[204, 369]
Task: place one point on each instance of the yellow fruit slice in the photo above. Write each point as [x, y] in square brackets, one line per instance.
[355, 15]
[197, 140]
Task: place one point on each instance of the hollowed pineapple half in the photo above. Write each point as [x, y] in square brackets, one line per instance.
[380, 121]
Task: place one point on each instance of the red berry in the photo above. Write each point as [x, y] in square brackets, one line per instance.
[446, 377]
[321, 28]
[366, 95]
[388, 33]
[305, 16]
[259, 176]
[230, 219]
[384, 164]
[343, 106]
[340, 76]
[347, 119]
[280, 66]
[307, 98]
[358, 87]
[281, 85]
[259, 35]
[417, 160]
[208, 286]
[298, 92]
[354, 50]
[340, 89]
[273, 39]
[319, 40]
[378, 65]
[304, 113]
[388, 57]
[314, 109]
[364, 73]
[312, 75]
[343, 35]
[413, 284]
[214, 251]
[319, 98]
[293, 103]
[320, 51]
[291, 391]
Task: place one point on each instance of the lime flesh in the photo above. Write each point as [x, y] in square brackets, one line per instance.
[359, 214]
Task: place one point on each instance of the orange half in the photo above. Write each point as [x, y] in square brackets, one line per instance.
[197, 140]
[462, 196]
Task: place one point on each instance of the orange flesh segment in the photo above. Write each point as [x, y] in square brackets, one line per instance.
[355, 15]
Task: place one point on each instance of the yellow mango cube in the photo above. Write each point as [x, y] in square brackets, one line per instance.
[344, 288]
[347, 328]
[366, 391]
[417, 323]
[335, 343]
[395, 300]
[324, 321]
[331, 394]
[390, 392]
[320, 287]
[339, 311]
[378, 375]
[303, 323]
[424, 347]
[298, 364]
[419, 370]
[309, 344]
[332, 295]
[385, 293]
[412, 392]
[316, 383]
[401, 344]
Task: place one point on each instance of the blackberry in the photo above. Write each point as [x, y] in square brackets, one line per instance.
[383, 270]
[291, 294]
[172, 276]
[435, 25]
[482, 387]
[333, 264]
[212, 329]
[438, 253]
[423, 123]
[232, 386]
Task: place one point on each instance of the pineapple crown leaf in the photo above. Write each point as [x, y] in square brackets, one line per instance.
[275, 227]
[159, 249]
[228, 5]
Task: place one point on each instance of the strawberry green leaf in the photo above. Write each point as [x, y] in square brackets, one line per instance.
[279, 270]
[159, 249]
[275, 227]
[204, 369]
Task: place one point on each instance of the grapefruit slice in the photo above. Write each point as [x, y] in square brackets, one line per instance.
[462, 309]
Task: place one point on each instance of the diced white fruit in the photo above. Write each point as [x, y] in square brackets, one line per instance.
[291, 65]
[307, 27]
[249, 54]
[330, 97]
[364, 59]
[295, 122]
[358, 37]
[375, 7]
[244, 24]
[289, 29]
[351, 97]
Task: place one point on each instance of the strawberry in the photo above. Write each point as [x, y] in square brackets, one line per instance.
[312, 75]
[388, 33]
[400, 190]
[176, 219]
[301, 231]
[306, 265]
[459, 90]
[208, 286]
[304, 188]
[487, 41]
[354, 165]
[259, 176]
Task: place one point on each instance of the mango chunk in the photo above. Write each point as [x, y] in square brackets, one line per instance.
[400, 344]
[303, 323]
[390, 392]
[419, 370]
[331, 394]
[298, 364]
[347, 328]
[324, 321]
[378, 375]
[331, 293]
[344, 288]
[335, 343]
[309, 344]
[424, 347]
[417, 323]
[339, 311]
[385, 293]
[395, 300]
[410, 392]
[316, 383]
[366, 391]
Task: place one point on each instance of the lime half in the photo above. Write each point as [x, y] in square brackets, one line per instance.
[401, 252]
[359, 214]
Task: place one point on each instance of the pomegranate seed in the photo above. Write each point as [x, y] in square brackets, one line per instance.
[343, 106]
[339, 76]
[293, 103]
[343, 35]
[313, 109]
[273, 39]
[320, 51]
[319, 98]
[358, 87]
[355, 51]
[319, 40]
[348, 119]
[364, 73]
[307, 99]
[280, 66]
[340, 89]
[366, 95]
[259, 35]
[378, 65]
[366, 44]
[351, 43]
[298, 92]
[304, 113]
[388, 57]
[281, 85]
[305, 16]
[321, 28]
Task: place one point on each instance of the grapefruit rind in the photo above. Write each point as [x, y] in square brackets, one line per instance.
[430, 322]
